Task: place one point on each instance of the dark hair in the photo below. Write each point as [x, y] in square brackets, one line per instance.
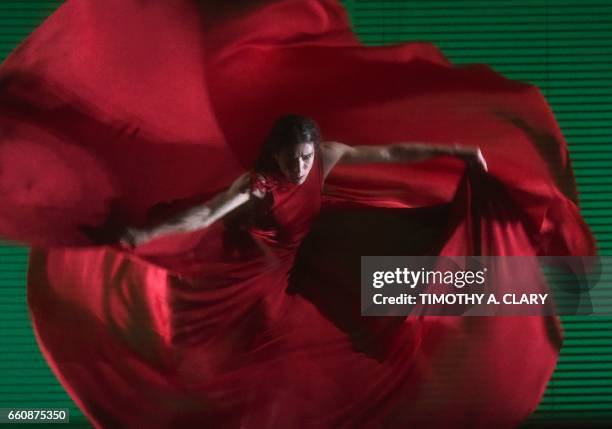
[287, 131]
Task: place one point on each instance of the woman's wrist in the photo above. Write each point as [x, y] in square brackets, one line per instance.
[462, 151]
[134, 237]
[470, 154]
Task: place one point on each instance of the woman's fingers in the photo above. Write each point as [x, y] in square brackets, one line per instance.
[475, 158]
[130, 238]
[481, 160]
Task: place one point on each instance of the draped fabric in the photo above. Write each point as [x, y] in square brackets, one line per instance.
[114, 113]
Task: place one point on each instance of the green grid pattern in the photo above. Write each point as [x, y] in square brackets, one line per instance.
[563, 46]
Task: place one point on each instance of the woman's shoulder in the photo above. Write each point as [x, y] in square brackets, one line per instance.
[331, 153]
[328, 146]
[261, 184]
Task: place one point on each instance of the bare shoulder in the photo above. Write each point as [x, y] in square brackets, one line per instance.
[331, 153]
[259, 194]
[259, 186]
[333, 146]
[249, 183]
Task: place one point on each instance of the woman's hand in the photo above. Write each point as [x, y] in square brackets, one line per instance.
[133, 237]
[471, 155]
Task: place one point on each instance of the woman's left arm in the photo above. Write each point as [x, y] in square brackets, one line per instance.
[339, 153]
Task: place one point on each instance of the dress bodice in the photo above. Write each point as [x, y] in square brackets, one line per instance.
[286, 213]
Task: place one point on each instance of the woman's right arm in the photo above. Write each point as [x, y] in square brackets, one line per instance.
[198, 217]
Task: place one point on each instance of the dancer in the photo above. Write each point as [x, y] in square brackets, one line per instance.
[288, 155]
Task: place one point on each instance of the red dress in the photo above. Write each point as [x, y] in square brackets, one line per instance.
[109, 109]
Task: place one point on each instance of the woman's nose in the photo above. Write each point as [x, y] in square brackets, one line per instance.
[297, 167]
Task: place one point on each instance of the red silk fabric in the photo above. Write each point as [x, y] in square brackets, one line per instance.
[110, 109]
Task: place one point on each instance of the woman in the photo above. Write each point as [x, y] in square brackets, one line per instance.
[289, 154]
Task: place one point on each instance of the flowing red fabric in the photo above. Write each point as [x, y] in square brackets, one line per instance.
[114, 112]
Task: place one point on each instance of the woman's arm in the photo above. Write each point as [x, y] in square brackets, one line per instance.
[335, 153]
[198, 217]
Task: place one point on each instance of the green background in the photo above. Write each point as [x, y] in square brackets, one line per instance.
[565, 47]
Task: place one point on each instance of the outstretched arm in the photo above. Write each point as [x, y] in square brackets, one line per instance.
[339, 153]
[198, 217]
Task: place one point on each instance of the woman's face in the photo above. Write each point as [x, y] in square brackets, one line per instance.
[296, 161]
